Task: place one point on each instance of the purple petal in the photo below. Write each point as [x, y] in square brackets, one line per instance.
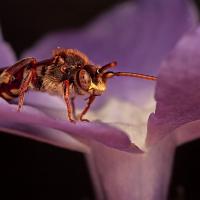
[7, 56]
[99, 132]
[125, 176]
[11, 125]
[43, 134]
[137, 34]
[187, 132]
[178, 87]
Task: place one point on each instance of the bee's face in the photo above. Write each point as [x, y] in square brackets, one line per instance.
[90, 80]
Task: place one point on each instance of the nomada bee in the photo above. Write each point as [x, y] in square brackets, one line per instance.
[67, 73]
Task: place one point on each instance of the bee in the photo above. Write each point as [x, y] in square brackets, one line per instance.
[67, 73]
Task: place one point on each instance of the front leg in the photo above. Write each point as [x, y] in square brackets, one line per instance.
[68, 101]
[72, 99]
[90, 100]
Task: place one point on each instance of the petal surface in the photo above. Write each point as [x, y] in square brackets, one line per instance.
[125, 176]
[7, 56]
[177, 92]
[12, 123]
[99, 132]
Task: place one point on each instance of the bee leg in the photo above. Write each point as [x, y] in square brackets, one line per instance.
[73, 107]
[90, 100]
[24, 87]
[68, 100]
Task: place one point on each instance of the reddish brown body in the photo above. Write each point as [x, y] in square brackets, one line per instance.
[68, 73]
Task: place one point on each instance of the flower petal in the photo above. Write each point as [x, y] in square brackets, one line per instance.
[125, 176]
[9, 123]
[178, 87]
[7, 56]
[99, 132]
[42, 134]
[138, 33]
[187, 132]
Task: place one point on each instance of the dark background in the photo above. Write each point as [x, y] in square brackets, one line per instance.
[25, 21]
[32, 170]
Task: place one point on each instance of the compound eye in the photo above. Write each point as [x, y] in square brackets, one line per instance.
[63, 68]
[84, 79]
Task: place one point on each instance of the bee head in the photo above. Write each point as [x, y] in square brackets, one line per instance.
[92, 79]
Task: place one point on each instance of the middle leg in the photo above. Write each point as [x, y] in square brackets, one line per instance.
[90, 100]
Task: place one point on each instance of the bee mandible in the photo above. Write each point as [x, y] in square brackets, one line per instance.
[67, 73]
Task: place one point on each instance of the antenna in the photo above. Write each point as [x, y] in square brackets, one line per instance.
[130, 74]
[107, 66]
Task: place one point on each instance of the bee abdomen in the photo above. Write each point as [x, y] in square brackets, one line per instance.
[9, 90]
[1, 70]
[9, 95]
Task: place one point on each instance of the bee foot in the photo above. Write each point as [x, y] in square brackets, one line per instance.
[72, 120]
[84, 120]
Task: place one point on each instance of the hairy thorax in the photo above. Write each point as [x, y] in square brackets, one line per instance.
[51, 86]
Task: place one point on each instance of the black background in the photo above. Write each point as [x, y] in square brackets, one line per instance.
[33, 170]
[24, 21]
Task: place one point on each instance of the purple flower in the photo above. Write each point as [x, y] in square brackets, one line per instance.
[126, 161]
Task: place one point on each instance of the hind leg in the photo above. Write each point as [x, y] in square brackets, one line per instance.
[24, 86]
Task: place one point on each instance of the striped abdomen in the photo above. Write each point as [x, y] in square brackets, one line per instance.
[8, 91]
